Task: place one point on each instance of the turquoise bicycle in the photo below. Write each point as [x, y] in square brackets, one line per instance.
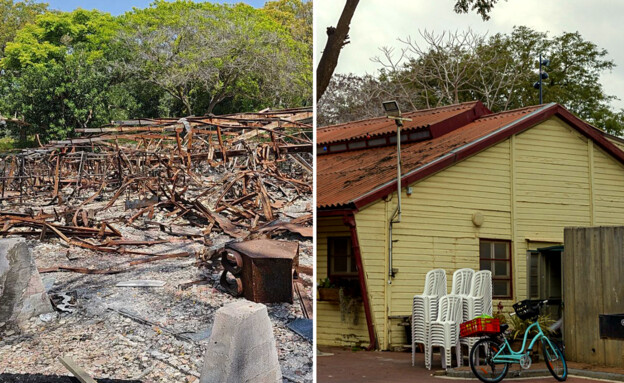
[491, 356]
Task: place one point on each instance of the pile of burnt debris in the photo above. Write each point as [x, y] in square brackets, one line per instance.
[142, 229]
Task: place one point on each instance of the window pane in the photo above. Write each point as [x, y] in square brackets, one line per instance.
[486, 265]
[340, 255]
[484, 250]
[500, 250]
[501, 288]
[533, 277]
[340, 247]
[377, 142]
[501, 269]
[357, 145]
[340, 264]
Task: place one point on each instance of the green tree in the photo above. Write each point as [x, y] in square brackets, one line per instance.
[57, 75]
[338, 37]
[84, 68]
[203, 54]
[499, 71]
[14, 15]
[297, 16]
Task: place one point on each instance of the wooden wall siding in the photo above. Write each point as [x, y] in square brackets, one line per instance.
[331, 330]
[372, 234]
[592, 286]
[528, 189]
[552, 189]
[436, 230]
[608, 189]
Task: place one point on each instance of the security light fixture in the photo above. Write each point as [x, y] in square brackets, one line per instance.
[392, 108]
[394, 112]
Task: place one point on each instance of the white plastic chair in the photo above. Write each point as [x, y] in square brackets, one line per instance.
[425, 307]
[479, 301]
[462, 282]
[444, 332]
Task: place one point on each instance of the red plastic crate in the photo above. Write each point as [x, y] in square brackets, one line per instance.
[479, 326]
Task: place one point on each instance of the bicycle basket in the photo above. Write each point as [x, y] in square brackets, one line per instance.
[526, 309]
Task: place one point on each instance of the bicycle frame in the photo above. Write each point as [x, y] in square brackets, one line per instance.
[514, 356]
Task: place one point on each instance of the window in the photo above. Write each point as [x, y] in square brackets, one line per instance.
[496, 257]
[341, 260]
[544, 274]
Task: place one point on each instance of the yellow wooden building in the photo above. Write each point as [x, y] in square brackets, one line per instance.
[479, 190]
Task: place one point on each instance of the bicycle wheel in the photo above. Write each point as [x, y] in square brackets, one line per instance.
[481, 362]
[555, 361]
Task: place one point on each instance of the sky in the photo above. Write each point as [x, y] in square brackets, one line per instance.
[378, 23]
[117, 7]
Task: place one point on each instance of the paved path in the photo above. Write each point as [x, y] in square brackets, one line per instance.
[392, 367]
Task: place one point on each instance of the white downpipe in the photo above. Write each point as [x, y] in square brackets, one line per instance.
[396, 216]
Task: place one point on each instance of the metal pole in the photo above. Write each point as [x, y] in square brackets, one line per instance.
[540, 79]
[396, 216]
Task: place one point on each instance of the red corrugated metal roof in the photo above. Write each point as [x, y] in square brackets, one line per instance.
[354, 179]
[382, 125]
[343, 178]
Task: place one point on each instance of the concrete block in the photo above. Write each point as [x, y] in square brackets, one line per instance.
[242, 347]
[22, 294]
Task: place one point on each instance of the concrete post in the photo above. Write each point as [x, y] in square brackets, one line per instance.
[242, 346]
[22, 294]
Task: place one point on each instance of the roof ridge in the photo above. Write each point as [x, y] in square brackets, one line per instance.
[438, 109]
[522, 110]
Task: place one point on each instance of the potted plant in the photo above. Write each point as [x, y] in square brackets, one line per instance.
[519, 327]
[349, 305]
[327, 291]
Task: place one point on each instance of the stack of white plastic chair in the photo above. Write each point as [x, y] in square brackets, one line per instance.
[479, 301]
[425, 307]
[444, 331]
[462, 283]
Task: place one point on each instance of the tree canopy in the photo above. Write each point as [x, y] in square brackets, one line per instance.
[500, 71]
[14, 15]
[67, 70]
[338, 37]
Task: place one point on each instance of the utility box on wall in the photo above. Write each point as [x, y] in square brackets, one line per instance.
[593, 295]
[612, 326]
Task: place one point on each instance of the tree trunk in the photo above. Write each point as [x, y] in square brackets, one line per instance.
[336, 39]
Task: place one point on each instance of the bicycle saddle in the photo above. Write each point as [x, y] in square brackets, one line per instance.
[503, 328]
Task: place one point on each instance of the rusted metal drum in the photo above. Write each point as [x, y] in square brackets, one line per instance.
[263, 267]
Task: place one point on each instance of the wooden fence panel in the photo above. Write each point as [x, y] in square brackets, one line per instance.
[593, 284]
[613, 281]
[569, 266]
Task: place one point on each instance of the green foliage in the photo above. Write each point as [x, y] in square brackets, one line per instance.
[482, 7]
[66, 70]
[14, 15]
[502, 318]
[6, 144]
[202, 54]
[325, 283]
[349, 306]
[520, 326]
[57, 75]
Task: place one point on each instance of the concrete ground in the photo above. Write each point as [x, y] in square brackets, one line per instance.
[346, 366]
